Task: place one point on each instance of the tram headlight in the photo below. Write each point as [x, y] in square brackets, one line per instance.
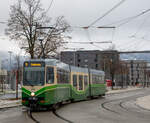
[32, 94]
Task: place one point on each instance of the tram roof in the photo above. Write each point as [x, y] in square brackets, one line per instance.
[97, 72]
[59, 64]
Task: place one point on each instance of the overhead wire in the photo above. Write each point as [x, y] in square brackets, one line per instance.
[86, 28]
[141, 25]
[134, 44]
[134, 17]
[2, 22]
[117, 5]
[126, 20]
[89, 38]
[50, 5]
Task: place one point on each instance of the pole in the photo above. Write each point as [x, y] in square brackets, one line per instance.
[10, 52]
[17, 84]
[74, 58]
[43, 54]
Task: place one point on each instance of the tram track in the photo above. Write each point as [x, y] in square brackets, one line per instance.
[54, 112]
[105, 105]
[29, 112]
[107, 102]
[60, 117]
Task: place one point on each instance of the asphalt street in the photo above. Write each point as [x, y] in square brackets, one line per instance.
[114, 108]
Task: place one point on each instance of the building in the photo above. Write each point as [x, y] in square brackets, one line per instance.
[101, 60]
[3, 78]
[91, 58]
[137, 71]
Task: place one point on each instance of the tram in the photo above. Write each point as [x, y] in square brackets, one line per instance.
[47, 82]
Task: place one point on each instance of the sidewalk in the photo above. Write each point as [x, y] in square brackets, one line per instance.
[144, 102]
[7, 99]
[121, 90]
[9, 92]
[9, 103]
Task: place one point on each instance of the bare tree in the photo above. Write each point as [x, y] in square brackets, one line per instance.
[24, 25]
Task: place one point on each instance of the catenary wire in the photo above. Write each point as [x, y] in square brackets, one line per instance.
[117, 5]
[134, 17]
[125, 20]
[49, 6]
[141, 25]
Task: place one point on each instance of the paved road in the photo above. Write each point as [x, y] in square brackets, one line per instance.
[115, 108]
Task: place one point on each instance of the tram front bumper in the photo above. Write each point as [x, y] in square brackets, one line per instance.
[33, 101]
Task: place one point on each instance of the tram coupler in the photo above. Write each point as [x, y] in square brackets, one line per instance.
[33, 102]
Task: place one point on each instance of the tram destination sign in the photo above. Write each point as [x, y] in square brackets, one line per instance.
[33, 64]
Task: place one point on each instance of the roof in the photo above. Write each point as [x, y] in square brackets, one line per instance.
[59, 64]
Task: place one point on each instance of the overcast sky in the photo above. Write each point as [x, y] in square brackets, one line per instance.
[84, 12]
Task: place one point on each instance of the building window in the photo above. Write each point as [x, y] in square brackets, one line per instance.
[96, 56]
[96, 66]
[85, 60]
[95, 60]
[79, 60]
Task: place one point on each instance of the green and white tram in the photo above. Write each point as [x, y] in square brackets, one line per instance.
[47, 82]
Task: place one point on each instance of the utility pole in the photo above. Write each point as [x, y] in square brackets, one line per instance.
[17, 77]
[43, 53]
[10, 52]
[41, 40]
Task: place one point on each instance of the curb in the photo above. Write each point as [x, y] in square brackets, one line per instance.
[142, 107]
[123, 91]
[142, 102]
[13, 106]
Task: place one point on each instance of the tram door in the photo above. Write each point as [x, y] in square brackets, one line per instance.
[80, 83]
[75, 81]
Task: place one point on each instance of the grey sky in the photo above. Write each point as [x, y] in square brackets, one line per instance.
[84, 12]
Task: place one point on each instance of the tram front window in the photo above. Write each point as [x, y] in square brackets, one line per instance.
[33, 77]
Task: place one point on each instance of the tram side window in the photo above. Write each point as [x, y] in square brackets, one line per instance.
[62, 76]
[97, 79]
[75, 81]
[50, 75]
[93, 79]
[102, 79]
[80, 82]
[86, 81]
